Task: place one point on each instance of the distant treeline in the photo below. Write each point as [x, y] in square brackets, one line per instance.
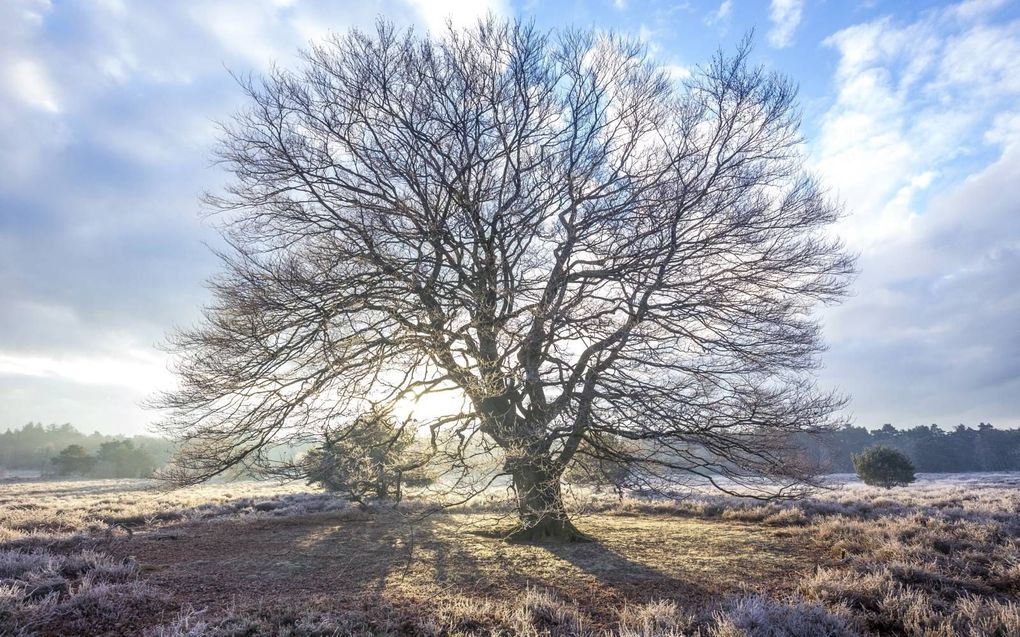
[932, 449]
[62, 449]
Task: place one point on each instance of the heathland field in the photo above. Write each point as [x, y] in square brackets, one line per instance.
[941, 557]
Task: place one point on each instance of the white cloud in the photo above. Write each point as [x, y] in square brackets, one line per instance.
[55, 89]
[973, 9]
[907, 105]
[620, 5]
[677, 71]
[922, 143]
[649, 37]
[106, 118]
[646, 35]
[135, 369]
[983, 59]
[785, 17]
[30, 82]
[30, 105]
[435, 13]
[930, 336]
[721, 15]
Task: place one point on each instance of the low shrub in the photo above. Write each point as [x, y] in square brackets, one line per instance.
[885, 467]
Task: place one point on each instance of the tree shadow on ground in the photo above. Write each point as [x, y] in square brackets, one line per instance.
[397, 552]
[604, 572]
[352, 555]
[395, 555]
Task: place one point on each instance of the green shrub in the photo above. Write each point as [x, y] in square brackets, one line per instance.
[881, 466]
[373, 457]
[73, 460]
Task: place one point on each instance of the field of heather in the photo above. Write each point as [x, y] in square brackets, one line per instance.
[941, 557]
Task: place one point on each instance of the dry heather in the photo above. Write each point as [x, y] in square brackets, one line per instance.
[79, 592]
[47, 511]
[532, 614]
[941, 557]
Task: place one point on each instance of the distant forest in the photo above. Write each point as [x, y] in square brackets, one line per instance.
[45, 448]
[931, 449]
[35, 446]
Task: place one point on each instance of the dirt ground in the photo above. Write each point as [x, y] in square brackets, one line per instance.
[350, 559]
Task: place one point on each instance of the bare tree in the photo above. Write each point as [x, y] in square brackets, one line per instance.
[543, 223]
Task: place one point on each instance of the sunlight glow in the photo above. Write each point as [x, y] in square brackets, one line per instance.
[432, 405]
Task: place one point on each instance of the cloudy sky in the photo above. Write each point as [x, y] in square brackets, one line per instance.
[108, 110]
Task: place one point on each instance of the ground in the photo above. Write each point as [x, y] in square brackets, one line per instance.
[350, 557]
[941, 557]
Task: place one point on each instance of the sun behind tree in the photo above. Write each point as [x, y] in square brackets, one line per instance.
[586, 249]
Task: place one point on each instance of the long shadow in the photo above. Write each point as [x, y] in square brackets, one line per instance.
[629, 578]
[446, 553]
[279, 560]
[610, 575]
[389, 548]
[351, 554]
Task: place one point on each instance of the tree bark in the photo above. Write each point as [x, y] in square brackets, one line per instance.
[540, 506]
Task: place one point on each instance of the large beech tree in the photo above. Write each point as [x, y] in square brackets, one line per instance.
[547, 224]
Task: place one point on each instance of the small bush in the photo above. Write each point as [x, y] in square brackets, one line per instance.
[661, 618]
[543, 612]
[370, 458]
[885, 467]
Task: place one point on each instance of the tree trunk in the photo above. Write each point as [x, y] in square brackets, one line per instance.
[540, 506]
[381, 488]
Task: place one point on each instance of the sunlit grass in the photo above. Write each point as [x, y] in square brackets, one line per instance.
[941, 553]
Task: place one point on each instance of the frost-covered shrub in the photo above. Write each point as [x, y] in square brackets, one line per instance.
[757, 616]
[662, 618]
[540, 610]
[81, 592]
[97, 608]
[371, 457]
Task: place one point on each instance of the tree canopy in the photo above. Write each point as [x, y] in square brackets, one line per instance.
[544, 224]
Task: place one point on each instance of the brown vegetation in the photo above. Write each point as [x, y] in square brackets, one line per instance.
[249, 558]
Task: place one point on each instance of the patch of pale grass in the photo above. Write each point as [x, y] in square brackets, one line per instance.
[94, 506]
[657, 618]
[758, 616]
[535, 613]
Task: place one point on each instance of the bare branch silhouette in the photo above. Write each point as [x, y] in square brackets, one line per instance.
[545, 224]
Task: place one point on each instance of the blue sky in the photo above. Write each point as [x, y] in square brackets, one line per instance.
[107, 116]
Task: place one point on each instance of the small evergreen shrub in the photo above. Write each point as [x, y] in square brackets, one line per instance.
[882, 466]
[372, 458]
